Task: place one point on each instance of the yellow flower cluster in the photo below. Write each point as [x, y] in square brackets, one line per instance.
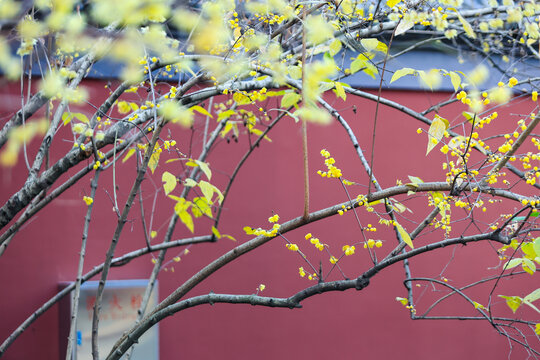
[292, 247]
[333, 171]
[303, 273]
[372, 243]
[315, 241]
[257, 232]
[88, 200]
[348, 250]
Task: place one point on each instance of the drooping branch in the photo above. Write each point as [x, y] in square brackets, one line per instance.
[294, 301]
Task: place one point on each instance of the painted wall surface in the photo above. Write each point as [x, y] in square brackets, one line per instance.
[369, 324]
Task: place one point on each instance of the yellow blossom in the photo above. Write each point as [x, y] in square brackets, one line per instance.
[292, 247]
[88, 200]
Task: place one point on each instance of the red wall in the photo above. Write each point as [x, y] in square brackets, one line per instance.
[369, 324]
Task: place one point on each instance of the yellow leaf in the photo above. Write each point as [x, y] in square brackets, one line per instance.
[175, 113]
[201, 207]
[169, 182]
[290, 99]
[478, 305]
[436, 132]
[403, 301]
[241, 99]
[180, 209]
[229, 237]
[455, 79]
[513, 302]
[392, 3]
[340, 91]
[154, 160]
[314, 114]
[467, 27]
[129, 154]
[402, 72]
[431, 79]
[259, 132]
[225, 114]
[318, 29]
[404, 235]
[216, 232]
[295, 72]
[187, 220]
[200, 110]
[335, 47]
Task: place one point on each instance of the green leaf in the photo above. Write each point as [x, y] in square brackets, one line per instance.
[403, 26]
[404, 235]
[200, 110]
[335, 47]
[369, 44]
[169, 182]
[528, 266]
[415, 180]
[469, 116]
[513, 302]
[205, 169]
[357, 65]
[207, 189]
[535, 295]
[402, 72]
[512, 263]
[536, 246]
[528, 249]
[436, 132]
[189, 182]
[290, 99]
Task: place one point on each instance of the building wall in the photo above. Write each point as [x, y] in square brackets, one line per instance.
[368, 324]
